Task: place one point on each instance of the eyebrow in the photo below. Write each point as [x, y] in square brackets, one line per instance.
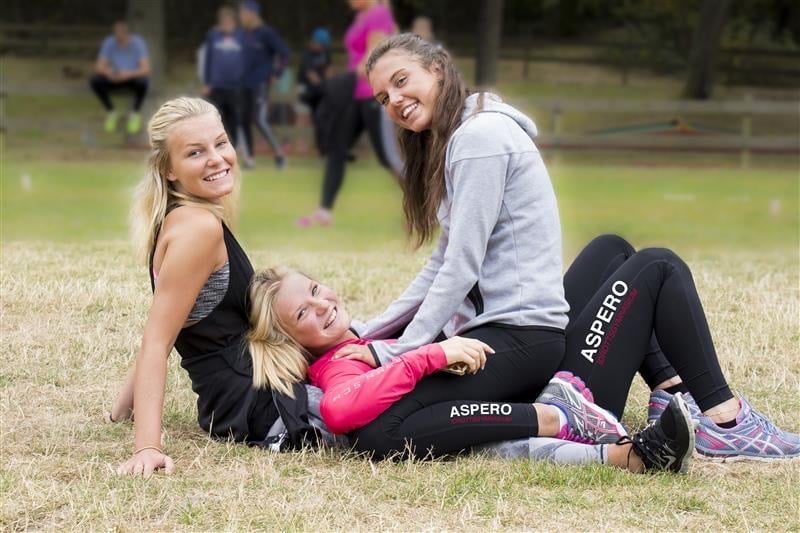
[190, 145]
[396, 73]
[310, 288]
[391, 80]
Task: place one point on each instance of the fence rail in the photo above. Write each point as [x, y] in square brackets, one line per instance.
[680, 140]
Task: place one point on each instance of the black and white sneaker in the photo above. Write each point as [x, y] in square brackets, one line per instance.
[667, 443]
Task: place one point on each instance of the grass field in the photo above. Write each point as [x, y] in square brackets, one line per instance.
[74, 302]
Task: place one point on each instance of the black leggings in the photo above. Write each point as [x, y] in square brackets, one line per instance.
[255, 107]
[102, 87]
[359, 115]
[447, 413]
[228, 103]
[618, 299]
[638, 311]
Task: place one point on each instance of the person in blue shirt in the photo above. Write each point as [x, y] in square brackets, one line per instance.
[315, 66]
[266, 57]
[224, 69]
[123, 63]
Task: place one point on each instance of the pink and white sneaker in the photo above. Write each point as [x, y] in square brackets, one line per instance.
[586, 421]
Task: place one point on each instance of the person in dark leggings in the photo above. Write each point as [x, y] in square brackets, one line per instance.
[224, 68]
[473, 170]
[266, 57]
[298, 327]
[630, 312]
[122, 64]
[373, 22]
[640, 312]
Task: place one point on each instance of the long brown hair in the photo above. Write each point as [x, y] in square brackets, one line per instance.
[424, 152]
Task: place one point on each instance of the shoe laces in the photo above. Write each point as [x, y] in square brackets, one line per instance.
[764, 423]
[641, 442]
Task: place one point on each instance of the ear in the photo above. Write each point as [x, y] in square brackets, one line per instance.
[437, 70]
[171, 176]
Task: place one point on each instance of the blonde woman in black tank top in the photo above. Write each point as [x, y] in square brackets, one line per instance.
[200, 277]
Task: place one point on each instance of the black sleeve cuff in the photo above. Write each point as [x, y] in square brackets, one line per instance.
[374, 355]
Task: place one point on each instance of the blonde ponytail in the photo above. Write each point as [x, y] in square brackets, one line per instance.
[278, 360]
[155, 194]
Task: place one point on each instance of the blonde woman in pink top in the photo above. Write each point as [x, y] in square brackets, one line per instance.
[373, 22]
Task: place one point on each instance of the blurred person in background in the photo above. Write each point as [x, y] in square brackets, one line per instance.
[315, 68]
[122, 64]
[266, 57]
[223, 68]
[373, 22]
[422, 26]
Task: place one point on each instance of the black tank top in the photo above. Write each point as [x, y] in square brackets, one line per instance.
[215, 354]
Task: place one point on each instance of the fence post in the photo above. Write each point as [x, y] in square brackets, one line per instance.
[556, 123]
[747, 131]
[525, 59]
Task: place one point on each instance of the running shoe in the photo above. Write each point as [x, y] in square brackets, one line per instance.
[659, 399]
[754, 437]
[111, 121]
[587, 422]
[667, 443]
[134, 123]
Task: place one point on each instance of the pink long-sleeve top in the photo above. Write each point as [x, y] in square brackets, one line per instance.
[355, 394]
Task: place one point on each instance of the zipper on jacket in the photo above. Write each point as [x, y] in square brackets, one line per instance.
[475, 297]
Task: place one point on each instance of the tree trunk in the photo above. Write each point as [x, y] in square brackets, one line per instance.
[146, 17]
[490, 26]
[705, 48]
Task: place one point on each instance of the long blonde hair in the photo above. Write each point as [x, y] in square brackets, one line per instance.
[278, 360]
[155, 194]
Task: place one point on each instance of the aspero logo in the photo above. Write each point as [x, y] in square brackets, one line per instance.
[480, 409]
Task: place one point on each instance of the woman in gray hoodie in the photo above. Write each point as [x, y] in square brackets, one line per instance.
[473, 169]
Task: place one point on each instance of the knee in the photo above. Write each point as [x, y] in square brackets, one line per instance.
[611, 241]
[97, 80]
[665, 255]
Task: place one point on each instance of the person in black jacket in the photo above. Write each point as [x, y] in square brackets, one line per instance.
[315, 66]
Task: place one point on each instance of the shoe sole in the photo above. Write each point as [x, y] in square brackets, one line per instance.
[717, 458]
[608, 415]
[691, 425]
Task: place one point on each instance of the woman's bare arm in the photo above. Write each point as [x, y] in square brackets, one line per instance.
[193, 244]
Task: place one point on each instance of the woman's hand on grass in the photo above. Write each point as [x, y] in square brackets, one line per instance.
[145, 463]
[357, 352]
[472, 352]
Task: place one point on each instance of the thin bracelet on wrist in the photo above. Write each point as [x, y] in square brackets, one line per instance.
[143, 448]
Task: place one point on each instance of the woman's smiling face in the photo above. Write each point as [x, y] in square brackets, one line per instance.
[406, 89]
[311, 313]
[202, 161]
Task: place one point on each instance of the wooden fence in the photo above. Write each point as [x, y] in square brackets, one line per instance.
[743, 141]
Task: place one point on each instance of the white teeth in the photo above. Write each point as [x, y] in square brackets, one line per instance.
[331, 318]
[408, 110]
[215, 177]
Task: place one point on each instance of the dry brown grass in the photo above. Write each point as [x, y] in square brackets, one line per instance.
[71, 320]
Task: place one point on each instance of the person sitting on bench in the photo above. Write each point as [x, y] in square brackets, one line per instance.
[123, 63]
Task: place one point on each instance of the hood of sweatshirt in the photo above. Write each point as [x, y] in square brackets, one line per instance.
[491, 103]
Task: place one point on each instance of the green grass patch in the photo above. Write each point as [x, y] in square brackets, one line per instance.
[691, 208]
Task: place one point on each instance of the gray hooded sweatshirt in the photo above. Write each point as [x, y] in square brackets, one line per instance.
[498, 259]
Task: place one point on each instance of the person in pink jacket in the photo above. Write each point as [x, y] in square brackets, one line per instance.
[298, 330]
